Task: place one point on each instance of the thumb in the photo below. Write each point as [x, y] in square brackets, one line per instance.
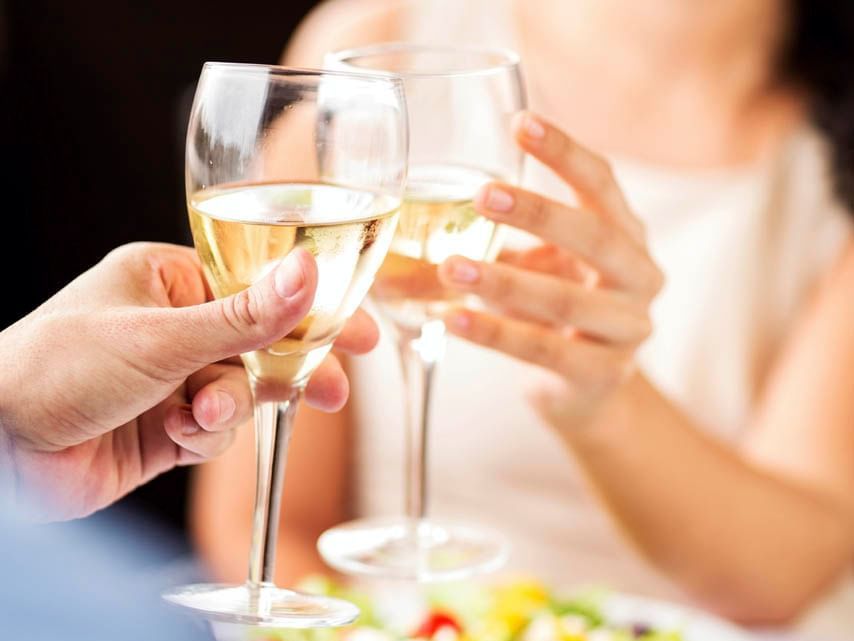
[251, 319]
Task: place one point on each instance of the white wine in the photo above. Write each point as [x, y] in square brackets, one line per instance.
[437, 220]
[242, 233]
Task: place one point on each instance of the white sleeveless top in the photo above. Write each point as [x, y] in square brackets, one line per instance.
[740, 250]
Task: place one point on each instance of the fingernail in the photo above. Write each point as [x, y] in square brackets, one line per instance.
[290, 277]
[460, 321]
[188, 423]
[534, 128]
[464, 271]
[225, 406]
[498, 200]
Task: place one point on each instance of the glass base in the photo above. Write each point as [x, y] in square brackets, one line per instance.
[264, 605]
[400, 548]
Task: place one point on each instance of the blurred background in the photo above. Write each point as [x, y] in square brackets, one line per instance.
[94, 100]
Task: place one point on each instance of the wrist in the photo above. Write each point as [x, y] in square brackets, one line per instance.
[614, 421]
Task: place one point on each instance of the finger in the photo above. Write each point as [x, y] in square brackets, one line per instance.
[328, 387]
[405, 277]
[149, 274]
[603, 314]
[360, 334]
[221, 399]
[181, 340]
[547, 259]
[195, 443]
[621, 262]
[588, 173]
[586, 364]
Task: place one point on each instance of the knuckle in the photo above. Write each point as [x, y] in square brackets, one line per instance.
[601, 174]
[564, 305]
[601, 237]
[488, 332]
[544, 353]
[130, 252]
[240, 312]
[138, 262]
[539, 353]
[536, 212]
[645, 328]
[569, 156]
[653, 280]
[561, 145]
[658, 280]
[500, 284]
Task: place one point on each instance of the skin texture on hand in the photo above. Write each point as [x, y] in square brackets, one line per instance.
[130, 370]
[578, 304]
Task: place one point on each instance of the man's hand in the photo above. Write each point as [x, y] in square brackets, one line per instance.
[129, 371]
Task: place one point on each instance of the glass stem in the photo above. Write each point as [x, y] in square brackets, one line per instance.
[274, 421]
[420, 350]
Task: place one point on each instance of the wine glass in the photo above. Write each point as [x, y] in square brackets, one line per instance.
[460, 101]
[280, 158]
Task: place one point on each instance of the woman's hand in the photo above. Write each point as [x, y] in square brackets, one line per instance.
[578, 304]
[128, 372]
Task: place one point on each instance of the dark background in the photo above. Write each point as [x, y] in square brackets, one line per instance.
[94, 99]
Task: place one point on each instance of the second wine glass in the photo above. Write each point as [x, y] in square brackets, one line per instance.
[460, 102]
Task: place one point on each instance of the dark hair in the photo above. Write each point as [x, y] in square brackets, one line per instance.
[819, 57]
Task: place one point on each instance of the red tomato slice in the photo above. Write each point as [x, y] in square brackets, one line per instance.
[434, 622]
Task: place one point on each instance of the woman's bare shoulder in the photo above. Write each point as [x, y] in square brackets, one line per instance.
[338, 24]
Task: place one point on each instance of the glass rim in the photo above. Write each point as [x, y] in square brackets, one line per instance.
[303, 72]
[509, 59]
